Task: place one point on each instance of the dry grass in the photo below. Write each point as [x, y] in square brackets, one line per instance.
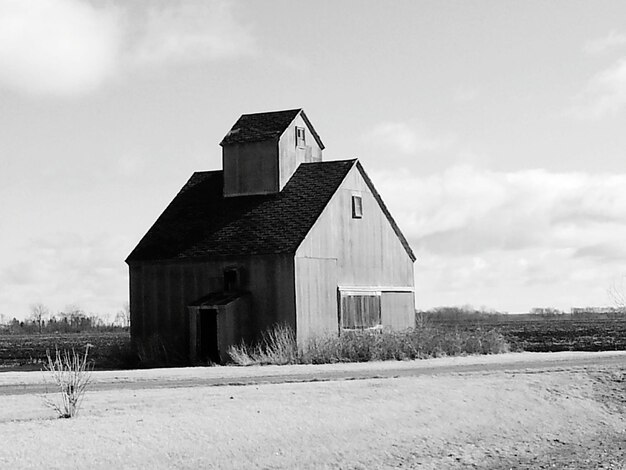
[279, 346]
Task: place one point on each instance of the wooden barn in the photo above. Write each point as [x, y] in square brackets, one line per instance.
[277, 236]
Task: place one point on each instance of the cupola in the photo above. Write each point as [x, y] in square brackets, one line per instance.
[262, 151]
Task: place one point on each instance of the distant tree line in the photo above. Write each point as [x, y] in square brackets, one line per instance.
[72, 320]
[468, 314]
[462, 314]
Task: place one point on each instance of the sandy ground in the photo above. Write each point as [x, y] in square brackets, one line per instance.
[542, 418]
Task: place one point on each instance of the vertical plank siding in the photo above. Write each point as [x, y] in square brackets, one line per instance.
[287, 161]
[316, 296]
[398, 309]
[172, 286]
[250, 168]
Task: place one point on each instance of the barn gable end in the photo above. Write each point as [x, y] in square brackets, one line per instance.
[348, 255]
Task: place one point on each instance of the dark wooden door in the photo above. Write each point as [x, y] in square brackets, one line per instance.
[208, 350]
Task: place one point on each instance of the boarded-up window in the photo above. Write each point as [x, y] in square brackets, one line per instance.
[360, 311]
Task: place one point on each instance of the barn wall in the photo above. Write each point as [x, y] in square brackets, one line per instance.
[367, 251]
[161, 291]
[290, 156]
[232, 325]
[397, 309]
[316, 296]
[250, 168]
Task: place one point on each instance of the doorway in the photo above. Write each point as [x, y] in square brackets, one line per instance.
[208, 346]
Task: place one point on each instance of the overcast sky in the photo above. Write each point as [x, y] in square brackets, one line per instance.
[494, 130]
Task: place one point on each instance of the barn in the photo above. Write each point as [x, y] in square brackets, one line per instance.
[278, 236]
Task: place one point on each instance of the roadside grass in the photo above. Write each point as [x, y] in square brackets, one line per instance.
[278, 346]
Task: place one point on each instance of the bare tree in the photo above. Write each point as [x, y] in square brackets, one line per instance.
[38, 313]
[123, 316]
[617, 294]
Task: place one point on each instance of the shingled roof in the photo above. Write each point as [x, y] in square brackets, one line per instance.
[201, 222]
[265, 126]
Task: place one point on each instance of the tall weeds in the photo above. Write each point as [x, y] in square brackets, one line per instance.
[279, 346]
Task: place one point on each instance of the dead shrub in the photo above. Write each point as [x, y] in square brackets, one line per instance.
[242, 355]
[71, 373]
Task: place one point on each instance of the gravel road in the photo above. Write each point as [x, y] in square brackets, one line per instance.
[12, 383]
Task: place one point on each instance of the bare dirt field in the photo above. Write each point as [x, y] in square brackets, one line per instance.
[567, 411]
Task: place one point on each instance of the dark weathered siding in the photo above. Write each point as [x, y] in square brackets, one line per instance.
[250, 168]
[160, 293]
[366, 252]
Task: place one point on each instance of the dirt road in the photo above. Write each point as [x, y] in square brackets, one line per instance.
[515, 411]
[12, 383]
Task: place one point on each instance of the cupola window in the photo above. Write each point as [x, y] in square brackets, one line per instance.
[357, 207]
[300, 137]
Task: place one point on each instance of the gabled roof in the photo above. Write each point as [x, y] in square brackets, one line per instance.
[259, 127]
[201, 222]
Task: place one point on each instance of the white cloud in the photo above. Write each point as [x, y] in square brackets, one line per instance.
[190, 32]
[56, 46]
[64, 47]
[406, 138]
[605, 93]
[504, 210]
[614, 40]
[524, 238]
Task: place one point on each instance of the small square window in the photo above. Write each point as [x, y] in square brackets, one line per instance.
[300, 137]
[357, 207]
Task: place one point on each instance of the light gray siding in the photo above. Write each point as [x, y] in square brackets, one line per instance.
[316, 296]
[290, 155]
[367, 253]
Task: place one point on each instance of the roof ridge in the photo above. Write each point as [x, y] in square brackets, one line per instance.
[325, 162]
[265, 126]
[274, 112]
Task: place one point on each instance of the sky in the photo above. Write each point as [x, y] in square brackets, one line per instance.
[494, 131]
